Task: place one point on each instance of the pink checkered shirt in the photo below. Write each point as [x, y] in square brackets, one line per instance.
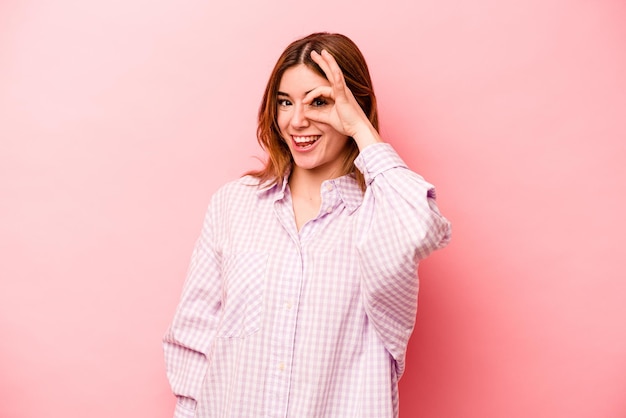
[274, 322]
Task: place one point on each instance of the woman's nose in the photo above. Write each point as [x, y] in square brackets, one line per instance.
[298, 118]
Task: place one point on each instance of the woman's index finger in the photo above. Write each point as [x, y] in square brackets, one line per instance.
[332, 70]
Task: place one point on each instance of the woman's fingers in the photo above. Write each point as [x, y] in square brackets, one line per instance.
[319, 103]
[318, 92]
[321, 61]
[338, 80]
[342, 111]
[333, 73]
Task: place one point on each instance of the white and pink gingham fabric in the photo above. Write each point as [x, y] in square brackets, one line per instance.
[274, 322]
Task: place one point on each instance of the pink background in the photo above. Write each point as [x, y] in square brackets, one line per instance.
[119, 119]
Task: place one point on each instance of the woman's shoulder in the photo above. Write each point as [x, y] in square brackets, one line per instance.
[237, 198]
[245, 184]
[241, 188]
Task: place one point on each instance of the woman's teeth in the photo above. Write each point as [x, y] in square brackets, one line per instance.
[305, 141]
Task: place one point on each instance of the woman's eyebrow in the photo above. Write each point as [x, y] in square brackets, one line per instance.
[280, 93]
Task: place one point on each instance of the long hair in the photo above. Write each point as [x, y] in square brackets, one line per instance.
[358, 80]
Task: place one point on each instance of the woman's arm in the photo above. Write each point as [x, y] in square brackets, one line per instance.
[188, 339]
[399, 225]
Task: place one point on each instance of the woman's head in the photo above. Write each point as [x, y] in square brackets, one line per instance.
[357, 78]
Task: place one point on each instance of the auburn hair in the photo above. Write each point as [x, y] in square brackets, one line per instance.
[358, 80]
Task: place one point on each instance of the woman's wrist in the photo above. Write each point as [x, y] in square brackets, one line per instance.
[366, 135]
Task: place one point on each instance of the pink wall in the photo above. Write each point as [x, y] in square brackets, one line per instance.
[119, 119]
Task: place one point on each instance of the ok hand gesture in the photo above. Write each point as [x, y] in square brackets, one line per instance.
[343, 112]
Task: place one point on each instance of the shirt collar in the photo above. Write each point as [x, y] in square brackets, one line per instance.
[347, 187]
[275, 190]
[349, 191]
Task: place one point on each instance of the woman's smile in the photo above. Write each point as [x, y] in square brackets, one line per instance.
[314, 145]
[305, 142]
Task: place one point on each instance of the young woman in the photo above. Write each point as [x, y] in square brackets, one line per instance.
[302, 290]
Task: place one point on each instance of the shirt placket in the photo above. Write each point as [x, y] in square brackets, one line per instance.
[282, 339]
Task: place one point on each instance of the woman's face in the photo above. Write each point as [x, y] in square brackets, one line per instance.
[316, 147]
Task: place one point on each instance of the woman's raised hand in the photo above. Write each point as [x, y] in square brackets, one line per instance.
[341, 111]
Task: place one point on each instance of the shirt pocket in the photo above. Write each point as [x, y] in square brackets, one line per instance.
[242, 297]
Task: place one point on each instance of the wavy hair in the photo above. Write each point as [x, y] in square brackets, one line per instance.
[358, 80]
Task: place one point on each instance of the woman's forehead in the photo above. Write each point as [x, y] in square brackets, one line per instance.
[299, 80]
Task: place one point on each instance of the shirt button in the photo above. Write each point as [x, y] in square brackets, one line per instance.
[329, 187]
[288, 305]
[281, 366]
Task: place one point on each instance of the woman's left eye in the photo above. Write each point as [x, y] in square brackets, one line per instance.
[318, 102]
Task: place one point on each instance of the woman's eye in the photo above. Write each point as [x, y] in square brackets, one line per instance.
[284, 102]
[318, 102]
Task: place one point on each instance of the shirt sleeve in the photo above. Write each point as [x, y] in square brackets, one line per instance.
[399, 225]
[185, 408]
[187, 342]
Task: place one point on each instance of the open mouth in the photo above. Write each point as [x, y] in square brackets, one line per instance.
[305, 142]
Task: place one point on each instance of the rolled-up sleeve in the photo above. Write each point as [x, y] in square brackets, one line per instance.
[399, 225]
